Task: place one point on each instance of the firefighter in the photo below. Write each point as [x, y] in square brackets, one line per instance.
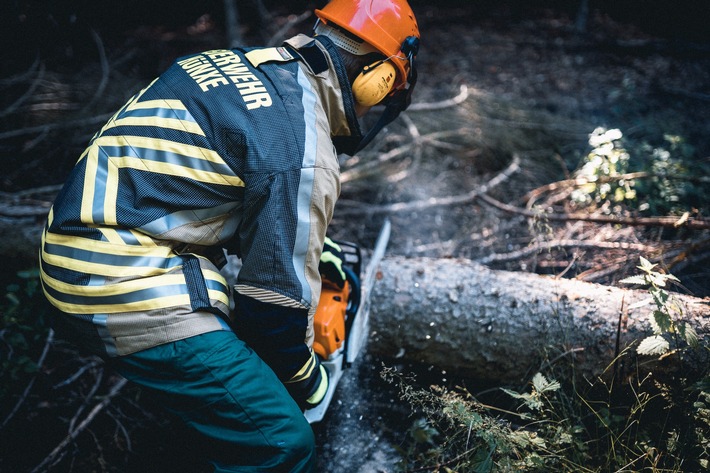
[230, 150]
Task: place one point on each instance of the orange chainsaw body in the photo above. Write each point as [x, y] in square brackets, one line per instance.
[329, 320]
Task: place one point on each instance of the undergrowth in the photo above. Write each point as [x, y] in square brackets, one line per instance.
[561, 422]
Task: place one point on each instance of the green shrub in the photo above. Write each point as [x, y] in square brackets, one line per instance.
[23, 332]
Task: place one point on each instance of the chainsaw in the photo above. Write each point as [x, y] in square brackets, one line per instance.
[342, 319]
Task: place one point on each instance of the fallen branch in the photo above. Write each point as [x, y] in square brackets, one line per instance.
[452, 102]
[549, 245]
[504, 175]
[669, 222]
[25, 393]
[56, 126]
[358, 172]
[49, 460]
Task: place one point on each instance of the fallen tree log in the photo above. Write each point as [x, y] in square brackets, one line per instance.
[503, 326]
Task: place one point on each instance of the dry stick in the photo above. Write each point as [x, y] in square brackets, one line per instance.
[23, 98]
[56, 126]
[452, 102]
[84, 424]
[513, 255]
[105, 70]
[40, 362]
[534, 194]
[359, 171]
[87, 398]
[416, 136]
[512, 168]
[675, 222]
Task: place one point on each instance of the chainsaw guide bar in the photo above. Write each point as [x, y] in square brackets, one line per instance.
[357, 325]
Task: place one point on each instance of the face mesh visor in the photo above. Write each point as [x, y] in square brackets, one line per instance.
[344, 40]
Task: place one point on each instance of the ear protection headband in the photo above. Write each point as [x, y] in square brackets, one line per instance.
[375, 81]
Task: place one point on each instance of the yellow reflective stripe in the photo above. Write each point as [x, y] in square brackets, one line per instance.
[123, 287]
[104, 269]
[157, 103]
[159, 303]
[159, 144]
[167, 146]
[111, 194]
[218, 296]
[111, 236]
[213, 275]
[259, 56]
[175, 170]
[89, 189]
[322, 388]
[105, 247]
[171, 123]
[305, 372]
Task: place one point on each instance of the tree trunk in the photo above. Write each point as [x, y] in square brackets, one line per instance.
[502, 326]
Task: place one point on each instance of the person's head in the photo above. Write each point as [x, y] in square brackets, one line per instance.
[378, 40]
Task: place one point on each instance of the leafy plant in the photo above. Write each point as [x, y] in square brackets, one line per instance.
[607, 159]
[666, 318]
[653, 179]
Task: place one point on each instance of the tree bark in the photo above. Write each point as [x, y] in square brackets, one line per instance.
[503, 326]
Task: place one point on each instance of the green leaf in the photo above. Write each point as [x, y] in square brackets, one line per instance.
[654, 345]
[638, 279]
[646, 265]
[690, 335]
[661, 322]
[541, 384]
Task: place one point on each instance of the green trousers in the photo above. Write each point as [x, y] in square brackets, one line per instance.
[228, 395]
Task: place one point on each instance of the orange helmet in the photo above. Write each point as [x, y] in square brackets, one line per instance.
[388, 25]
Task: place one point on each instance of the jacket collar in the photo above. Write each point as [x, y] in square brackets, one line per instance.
[331, 83]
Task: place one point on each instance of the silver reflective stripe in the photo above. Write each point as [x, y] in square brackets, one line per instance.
[305, 188]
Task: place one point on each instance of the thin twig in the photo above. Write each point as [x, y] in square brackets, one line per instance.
[669, 221]
[369, 165]
[105, 70]
[55, 126]
[80, 428]
[87, 398]
[549, 245]
[512, 168]
[452, 102]
[76, 375]
[25, 393]
[17, 103]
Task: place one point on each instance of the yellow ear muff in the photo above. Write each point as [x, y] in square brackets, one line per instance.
[374, 83]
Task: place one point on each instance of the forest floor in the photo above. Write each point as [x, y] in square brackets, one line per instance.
[536, 91]
[504, 107]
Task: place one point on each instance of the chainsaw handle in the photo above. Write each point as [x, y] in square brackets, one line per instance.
[355, 292]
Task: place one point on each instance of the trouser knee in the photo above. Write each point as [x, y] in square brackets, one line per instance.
[300, 451]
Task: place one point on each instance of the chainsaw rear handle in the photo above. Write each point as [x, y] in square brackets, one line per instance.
[355, 292]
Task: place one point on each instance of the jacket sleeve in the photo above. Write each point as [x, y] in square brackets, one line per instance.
[281, 240]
